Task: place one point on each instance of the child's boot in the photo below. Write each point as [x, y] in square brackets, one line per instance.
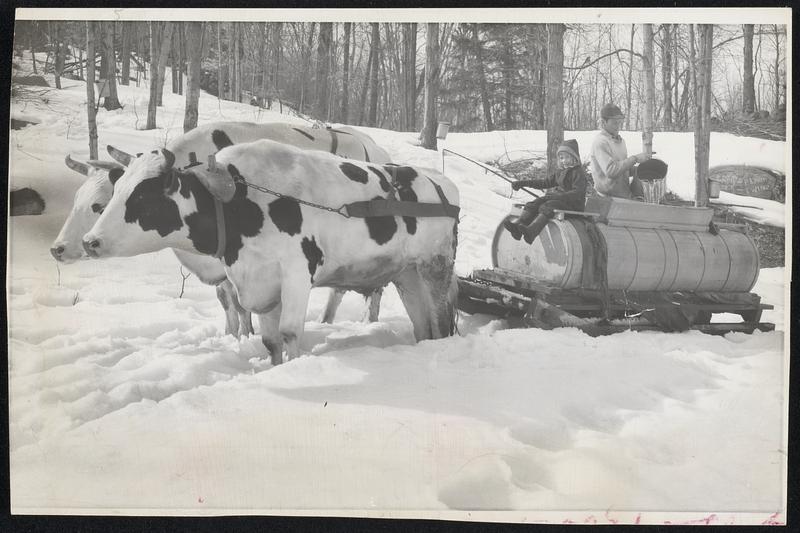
[534, 228]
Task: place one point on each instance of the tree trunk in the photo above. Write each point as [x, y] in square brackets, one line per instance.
[628, 88]
[112, 100]
[432, 64]
[507, 61]
[90, 108]
[777, 101]
[554, 103]
[649, 90]
[324, 69]
[346, 73]
[666, 75]
[748, 87]
[152, 104]
[372, 115]
[194, 41]
[409, 77]
[166, 45]
[276, 48]
[127, 30]
[702, 120]
[221, 74]
[237, 63]
[487, 107]
[58, 65]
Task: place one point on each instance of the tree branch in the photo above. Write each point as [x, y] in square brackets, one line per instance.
[587, 63]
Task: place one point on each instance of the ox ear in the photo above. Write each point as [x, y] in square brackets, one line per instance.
[120, 156]
[77, 166]
[114, 174]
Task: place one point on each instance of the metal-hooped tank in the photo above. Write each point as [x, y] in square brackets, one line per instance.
[649, 248]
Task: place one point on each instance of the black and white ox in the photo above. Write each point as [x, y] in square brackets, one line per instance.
[95, 193]
[277, 247]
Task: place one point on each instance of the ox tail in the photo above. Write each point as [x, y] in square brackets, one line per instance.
[452, 304]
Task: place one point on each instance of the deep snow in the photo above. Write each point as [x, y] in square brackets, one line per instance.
[125, 398]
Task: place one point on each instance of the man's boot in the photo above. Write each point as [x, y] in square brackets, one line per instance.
[534, 228]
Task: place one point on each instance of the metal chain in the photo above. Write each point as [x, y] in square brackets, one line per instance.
[338, 211]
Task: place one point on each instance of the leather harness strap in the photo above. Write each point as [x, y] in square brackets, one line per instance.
[221, 234]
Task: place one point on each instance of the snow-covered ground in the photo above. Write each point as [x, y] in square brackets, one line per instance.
[126, 398]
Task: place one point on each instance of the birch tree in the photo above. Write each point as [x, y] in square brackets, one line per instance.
[90, 78]
[554, 103]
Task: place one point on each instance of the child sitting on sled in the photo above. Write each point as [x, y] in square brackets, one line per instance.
[567, 190]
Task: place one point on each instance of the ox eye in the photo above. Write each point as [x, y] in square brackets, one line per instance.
[97, 208]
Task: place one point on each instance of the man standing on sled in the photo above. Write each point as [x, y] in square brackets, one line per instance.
[566, 190]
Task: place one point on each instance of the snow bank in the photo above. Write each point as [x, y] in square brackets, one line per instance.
[134, 395]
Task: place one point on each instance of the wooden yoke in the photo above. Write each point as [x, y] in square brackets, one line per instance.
[217, 180]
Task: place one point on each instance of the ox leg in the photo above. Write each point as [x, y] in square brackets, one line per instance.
[245, 318]
[227, 296]
[334, 299]
[373, 303]
[295, 288]
[429, 291]
[270, 334]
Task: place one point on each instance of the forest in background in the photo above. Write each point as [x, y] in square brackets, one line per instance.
[413, 76]
[489, 76]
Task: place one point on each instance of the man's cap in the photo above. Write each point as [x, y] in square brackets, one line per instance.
[611, 111]
[570, 146]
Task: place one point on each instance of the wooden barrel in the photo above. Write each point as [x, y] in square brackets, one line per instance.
[639, 259]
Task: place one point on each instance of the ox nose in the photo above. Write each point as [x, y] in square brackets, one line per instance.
[91, 245]
[57, 252]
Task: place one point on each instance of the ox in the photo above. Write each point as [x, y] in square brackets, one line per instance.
[95, 193]
[276, 245]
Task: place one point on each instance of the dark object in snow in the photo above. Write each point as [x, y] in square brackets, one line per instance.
[26, 201]
[18, 123]
[35, 81]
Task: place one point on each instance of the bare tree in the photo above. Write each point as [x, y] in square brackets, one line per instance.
[554, 107]
[166, 45]
[666, 74]
[409, 77]
[432, 65]
[159, 47]
[58, 65]
[111, 101]
[324, 68]
[90, 77]
[194, 42]
[346, 72]
[702, 119]
[479, 71]
[650, 90]
[748, 80]
[127, 29]
[372, 115]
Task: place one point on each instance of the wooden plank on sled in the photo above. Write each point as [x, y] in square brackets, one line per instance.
[717, 328]
[511, 279]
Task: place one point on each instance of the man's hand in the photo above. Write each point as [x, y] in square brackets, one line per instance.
[641, 158]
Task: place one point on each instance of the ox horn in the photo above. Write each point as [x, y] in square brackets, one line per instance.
[120, 156]
[169, 157]
[77, 166]
[105, 165]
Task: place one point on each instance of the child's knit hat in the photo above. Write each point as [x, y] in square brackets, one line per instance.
[571, 147]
